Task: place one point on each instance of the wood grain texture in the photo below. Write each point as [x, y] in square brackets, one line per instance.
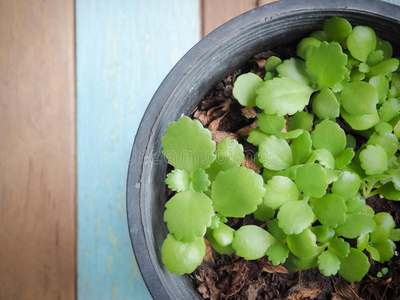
[37, 150]
[124, 50]
[215, 13]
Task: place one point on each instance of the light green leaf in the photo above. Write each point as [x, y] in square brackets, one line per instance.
[185, 152]
[350, 141]
[374, 58]
[361, 122]
[275, 230]
[330, 210]
[382, 86]
[252, 242]
[328, 263]
[223, 235]
[385, 47]
[217, 247]
[324, 234]
[347, 185]
[386, 250]
[263, 212]
[345, 158]
[283, 96]
[337, 29]
[232, 149]
[325, 158]
[395, 235]
[374, 160]
[305, 45]
[278, 253]
[325, 105]
[275, 153]
[244, 88]
[362, 241]
[271, 64]
[326, 64]
[359, 98]
[330, 136]
[355, 205]
[221, 163]
[237, 192]
[383, 128]
[271, 124]
[303, 244]
[312, 180]
[295, 68]
[280, 189]
[373, 252]
[291, 134]
[385, 67]
[356, 225]
[301, 148]
[182, 257]
[339, 247]
[384, 226]
[295, 216]
[355, 266]
[388, 142]
[200, 182]
[389, 110]
[301, 120]
[256, 136]
[389, 192]
[188, 215]
[361, 42]
[178, 180]
[320, 35]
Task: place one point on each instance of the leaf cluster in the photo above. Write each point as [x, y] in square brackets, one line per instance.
[314, 177]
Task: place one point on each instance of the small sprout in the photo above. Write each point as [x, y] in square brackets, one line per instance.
[245, 87]
[182, 257]
[178, 180]
[384, 271]
[326, 64]
[237, 192]
[361, 42]
[252, 242]
[283, 96]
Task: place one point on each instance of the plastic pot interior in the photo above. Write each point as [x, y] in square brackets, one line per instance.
[220, 53]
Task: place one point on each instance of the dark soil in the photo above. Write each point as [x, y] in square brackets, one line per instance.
[232, 277]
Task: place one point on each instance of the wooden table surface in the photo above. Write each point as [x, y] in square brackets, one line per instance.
[75, 79]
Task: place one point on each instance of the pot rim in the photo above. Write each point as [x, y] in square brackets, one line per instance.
[266, 13]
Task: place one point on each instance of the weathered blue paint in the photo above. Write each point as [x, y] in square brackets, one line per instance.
[124, 50]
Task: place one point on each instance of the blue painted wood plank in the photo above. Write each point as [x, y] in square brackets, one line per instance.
[124, 50]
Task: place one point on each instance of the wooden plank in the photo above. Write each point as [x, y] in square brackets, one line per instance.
[124, 50]
[37, 150]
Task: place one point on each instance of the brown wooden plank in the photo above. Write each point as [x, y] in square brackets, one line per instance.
[37, 150]
[217, 12]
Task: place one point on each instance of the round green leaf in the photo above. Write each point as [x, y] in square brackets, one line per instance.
[237, 192]
[325, 105]
[385, 47]
[275, 153]
[217, 247]
[330, 210]
[320, 35]
[263, 212]
[328, 263]
[375, 255]
[386, 250]
[355, 205]
[359, 98]
[385, 67]
[221, 163]
[324, 234]
[355, 266]
[271, 124]
[339, 247]
[389, 192]
[384, 226]
[183, 151]
[275, 230]
[295, 68]
[280, 189]
[347, 185]
[312, 180]
[356, 225]
[178, 180]
[325, 158]
[244, 88]
[188, 215]
[361, 42]
[388, 142]
[277, 253]
[200, 182]
[381, 85]
[389, 110]
[252, 242]
[256, 136]
[271, 63]
[295, 216]
[231, 148]
[362, 241]
[337, 29]
[374, 160]
[326, 64]
[291, 134]
[283, 96]
[361, 122]
[182, 257]
[330, 136]
[301, 120]
[223, 235]
[395, 235]
[303, 244]
[305, 45]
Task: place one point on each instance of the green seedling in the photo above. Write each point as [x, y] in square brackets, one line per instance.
[327, 139]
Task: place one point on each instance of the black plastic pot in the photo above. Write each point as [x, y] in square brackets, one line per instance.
[214, 57]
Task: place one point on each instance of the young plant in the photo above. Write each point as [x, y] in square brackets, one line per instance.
[315, 175]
